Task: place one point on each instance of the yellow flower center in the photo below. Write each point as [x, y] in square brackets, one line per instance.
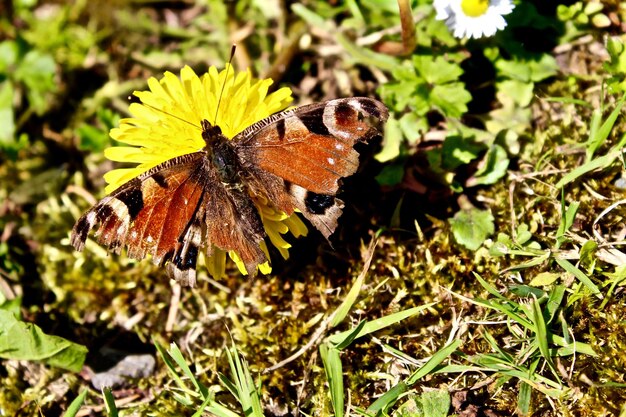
[474, 8]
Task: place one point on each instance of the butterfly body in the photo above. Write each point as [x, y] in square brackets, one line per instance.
[294, 160]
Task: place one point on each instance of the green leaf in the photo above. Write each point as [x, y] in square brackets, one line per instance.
[543, 335]
[524, 397]
[74, 407]
[246, 392]
[584, 279]
[349, 338]
[175, 353]
[311, 18]
[513, 69]
[392, 141]
[7, 122]
[531, 69]
[509, 116]
[472, 227]
[428, 404]
[96, 138]
[451, 99]
[409, 408]
[554, 302]
[377, 324]
[521, 92]
[334, 375]
[544, 278]
[344, 308]
[37, 71]
[522, 234]
[433, 362]
[388, 399]
[391, 174]
[366, 56]
[598, 136]
[109, 402]
[526, 291]
[600, 162]
[413, 126]
[12, 306]
[457, 151]
[435, 403]
[494, 168]
[26, 341]
[438, 70]
[91, 138]
[588, 251]
[9, 51]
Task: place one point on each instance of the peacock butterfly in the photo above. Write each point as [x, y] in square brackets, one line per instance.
[294, 159]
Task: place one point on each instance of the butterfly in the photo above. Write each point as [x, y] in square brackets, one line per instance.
[295, 159]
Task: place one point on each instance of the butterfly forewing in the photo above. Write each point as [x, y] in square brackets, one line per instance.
[149, 213]
[299, 156]
[312, 146]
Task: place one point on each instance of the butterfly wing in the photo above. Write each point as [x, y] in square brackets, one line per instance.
[170, 212]
[156, 213]
[297, 158]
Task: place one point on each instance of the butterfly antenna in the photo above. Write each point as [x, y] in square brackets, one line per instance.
[219, 100]
[134, 99]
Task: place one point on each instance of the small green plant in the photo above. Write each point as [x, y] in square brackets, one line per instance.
[616, 66]
[189, 390]
[26, 341]
[536, 322]
[423, 84]
[428, 404]
[26, 79]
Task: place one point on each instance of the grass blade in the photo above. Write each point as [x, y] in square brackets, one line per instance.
[344, 308]
[388, 399]
[334, 374]
[599, 136]
[72, 410]
[433, 362]
[243, 387]
[377, 324]
[584, 279]
[109, 402]
[542, 335]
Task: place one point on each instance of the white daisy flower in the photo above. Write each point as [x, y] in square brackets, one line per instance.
[473, 18]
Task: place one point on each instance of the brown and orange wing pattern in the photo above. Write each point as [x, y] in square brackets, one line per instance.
[157, 213]
[297, 158]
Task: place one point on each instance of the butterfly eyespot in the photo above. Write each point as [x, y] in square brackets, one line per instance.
[331, 161]
[149, 239]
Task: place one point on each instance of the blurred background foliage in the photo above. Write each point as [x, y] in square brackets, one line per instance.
[496, 192]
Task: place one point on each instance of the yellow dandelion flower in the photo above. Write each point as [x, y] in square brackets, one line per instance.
[166, 124]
